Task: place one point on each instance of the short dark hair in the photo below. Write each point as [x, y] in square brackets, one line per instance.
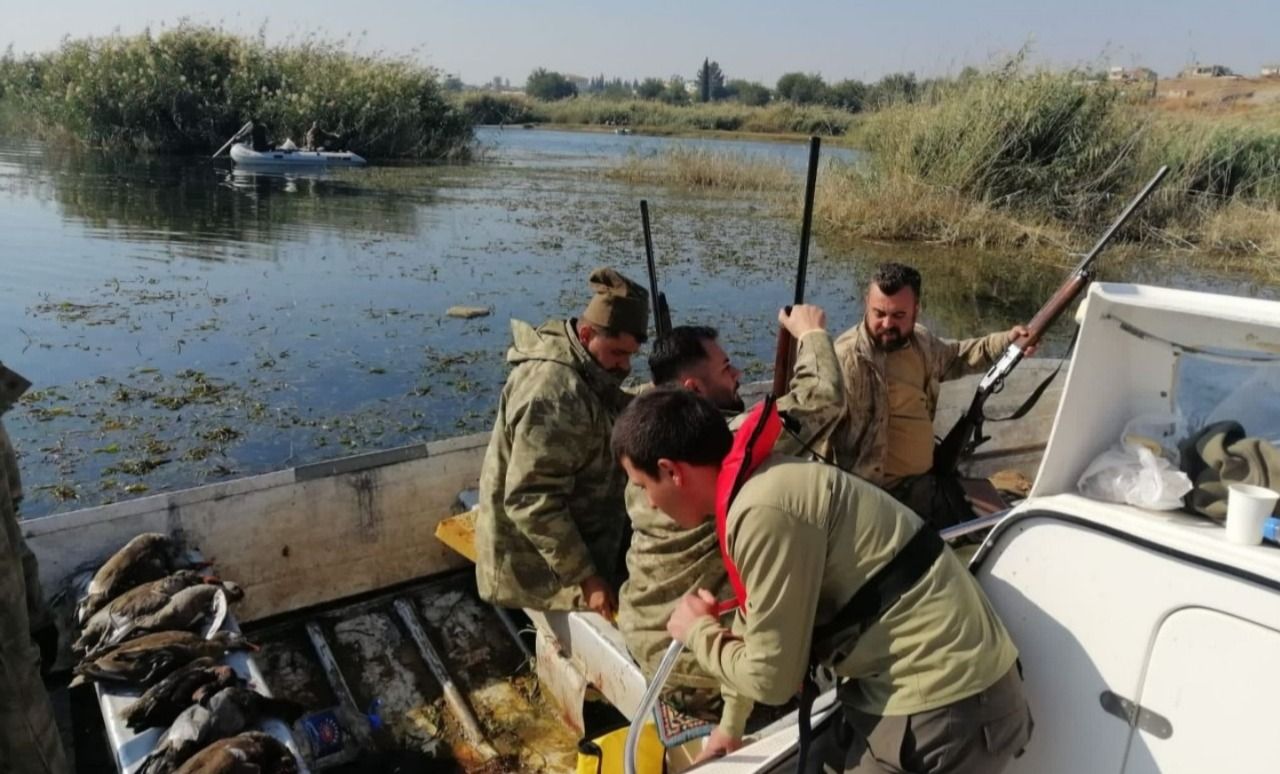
[671, 423]
[613, 333]
[681, 348]
[892, 277]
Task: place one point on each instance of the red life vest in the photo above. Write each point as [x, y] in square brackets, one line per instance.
[752, 443]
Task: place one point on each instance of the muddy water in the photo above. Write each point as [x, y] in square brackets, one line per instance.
[184, 322]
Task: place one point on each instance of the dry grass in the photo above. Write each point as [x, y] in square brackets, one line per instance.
[695, 168]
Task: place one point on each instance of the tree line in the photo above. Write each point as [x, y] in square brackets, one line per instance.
[710, 84]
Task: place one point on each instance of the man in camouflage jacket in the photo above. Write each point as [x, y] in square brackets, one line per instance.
[666, 562]
[29, 740]
[893, 370]
[551, 521]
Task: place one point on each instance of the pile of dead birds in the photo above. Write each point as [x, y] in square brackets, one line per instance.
[141, 622]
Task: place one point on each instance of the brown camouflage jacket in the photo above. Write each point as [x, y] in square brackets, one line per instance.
[551, 508]
[666, 562]
[859, 442]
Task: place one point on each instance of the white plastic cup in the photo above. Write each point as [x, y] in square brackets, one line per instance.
[1248, 507]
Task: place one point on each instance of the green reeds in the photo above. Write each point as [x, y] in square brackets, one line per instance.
[187, 89]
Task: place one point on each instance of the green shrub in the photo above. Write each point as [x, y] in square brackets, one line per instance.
[188, 89]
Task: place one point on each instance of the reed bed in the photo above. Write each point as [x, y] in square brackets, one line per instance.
[186, 90]
[700, 168]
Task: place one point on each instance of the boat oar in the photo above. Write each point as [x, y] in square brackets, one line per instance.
[248, 125]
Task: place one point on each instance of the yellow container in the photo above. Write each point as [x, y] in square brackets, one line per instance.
[604, 753]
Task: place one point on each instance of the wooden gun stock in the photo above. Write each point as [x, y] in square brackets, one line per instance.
[784, 358]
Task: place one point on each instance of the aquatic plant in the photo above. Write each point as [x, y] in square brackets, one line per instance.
[188, 89]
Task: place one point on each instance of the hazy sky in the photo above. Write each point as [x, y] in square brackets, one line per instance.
[750, 39]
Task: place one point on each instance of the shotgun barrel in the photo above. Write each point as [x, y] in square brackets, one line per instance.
[661, 313]
[784, 357]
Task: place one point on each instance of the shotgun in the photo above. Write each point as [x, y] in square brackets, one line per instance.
[966, 435]
[661, 314]
[784, 358]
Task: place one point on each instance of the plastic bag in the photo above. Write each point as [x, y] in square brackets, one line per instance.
[1142, 469]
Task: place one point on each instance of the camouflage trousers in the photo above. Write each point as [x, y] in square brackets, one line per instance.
[29, 740]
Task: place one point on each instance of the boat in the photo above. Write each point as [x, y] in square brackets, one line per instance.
[289, 158]
[1145, 636]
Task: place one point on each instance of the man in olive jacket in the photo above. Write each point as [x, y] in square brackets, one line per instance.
[29, 740]
[551, 517]
[932, 684]
[666, 562]
[893, 370]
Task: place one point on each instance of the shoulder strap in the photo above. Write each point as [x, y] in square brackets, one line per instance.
[880, 591]
[752, 443]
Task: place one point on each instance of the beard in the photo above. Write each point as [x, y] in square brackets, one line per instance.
[728, 401]
[620, 374]
[890, 341]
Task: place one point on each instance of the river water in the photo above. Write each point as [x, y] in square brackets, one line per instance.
[184, 322]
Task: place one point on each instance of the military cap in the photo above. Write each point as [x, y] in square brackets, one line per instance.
[618, 304]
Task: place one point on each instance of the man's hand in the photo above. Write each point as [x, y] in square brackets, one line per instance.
[689, 609]
[803, 319]
[1018, 333]
[719, 744]
[599, 597]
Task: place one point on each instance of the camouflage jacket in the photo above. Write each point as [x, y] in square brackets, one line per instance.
[666, 562]
[12, 386]
[859, 442]
[551, 508]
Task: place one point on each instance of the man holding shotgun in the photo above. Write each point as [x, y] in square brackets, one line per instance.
[893, 369]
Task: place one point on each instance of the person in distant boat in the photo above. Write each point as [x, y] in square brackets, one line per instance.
[551, 524]
[29, 739]
[258, 137]
[666, 562]
[893, 369]
[830, 570]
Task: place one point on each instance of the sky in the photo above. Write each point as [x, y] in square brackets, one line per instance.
[750, 39]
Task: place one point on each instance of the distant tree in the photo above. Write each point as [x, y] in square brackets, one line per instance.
[651, 88]
[748, 92]
[894, 88]
[801, 88]
[850, 95]
[969, 73]
[547, 85]
[452, 83]
[676, 93]
[710, 81]
[617, 89]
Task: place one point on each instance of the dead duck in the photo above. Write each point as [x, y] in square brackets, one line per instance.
[252, 752]
[138, 601]
[224, 713]
[165, 700]
[149, 556]
[148, 659]
[188, 610]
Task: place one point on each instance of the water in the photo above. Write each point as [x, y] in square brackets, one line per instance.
[183, 322]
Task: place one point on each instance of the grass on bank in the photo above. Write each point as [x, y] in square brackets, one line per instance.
[700, 168]
[186, 90]
[652, 117]
[1017, 160]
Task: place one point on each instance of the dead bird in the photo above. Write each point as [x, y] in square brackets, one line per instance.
[165, 700]
[227, 712]
[188, 610]
[252, 752]
[148, 659]
[138, 601]
[149, 556]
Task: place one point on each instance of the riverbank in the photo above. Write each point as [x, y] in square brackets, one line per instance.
[1036, 163]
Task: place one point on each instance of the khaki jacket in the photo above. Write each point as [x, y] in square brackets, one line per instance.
[29, 740]
[551, 510]
[666, 562]
[860, 440]
[805, 537]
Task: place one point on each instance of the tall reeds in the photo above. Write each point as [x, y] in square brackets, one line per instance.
[189, 88]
